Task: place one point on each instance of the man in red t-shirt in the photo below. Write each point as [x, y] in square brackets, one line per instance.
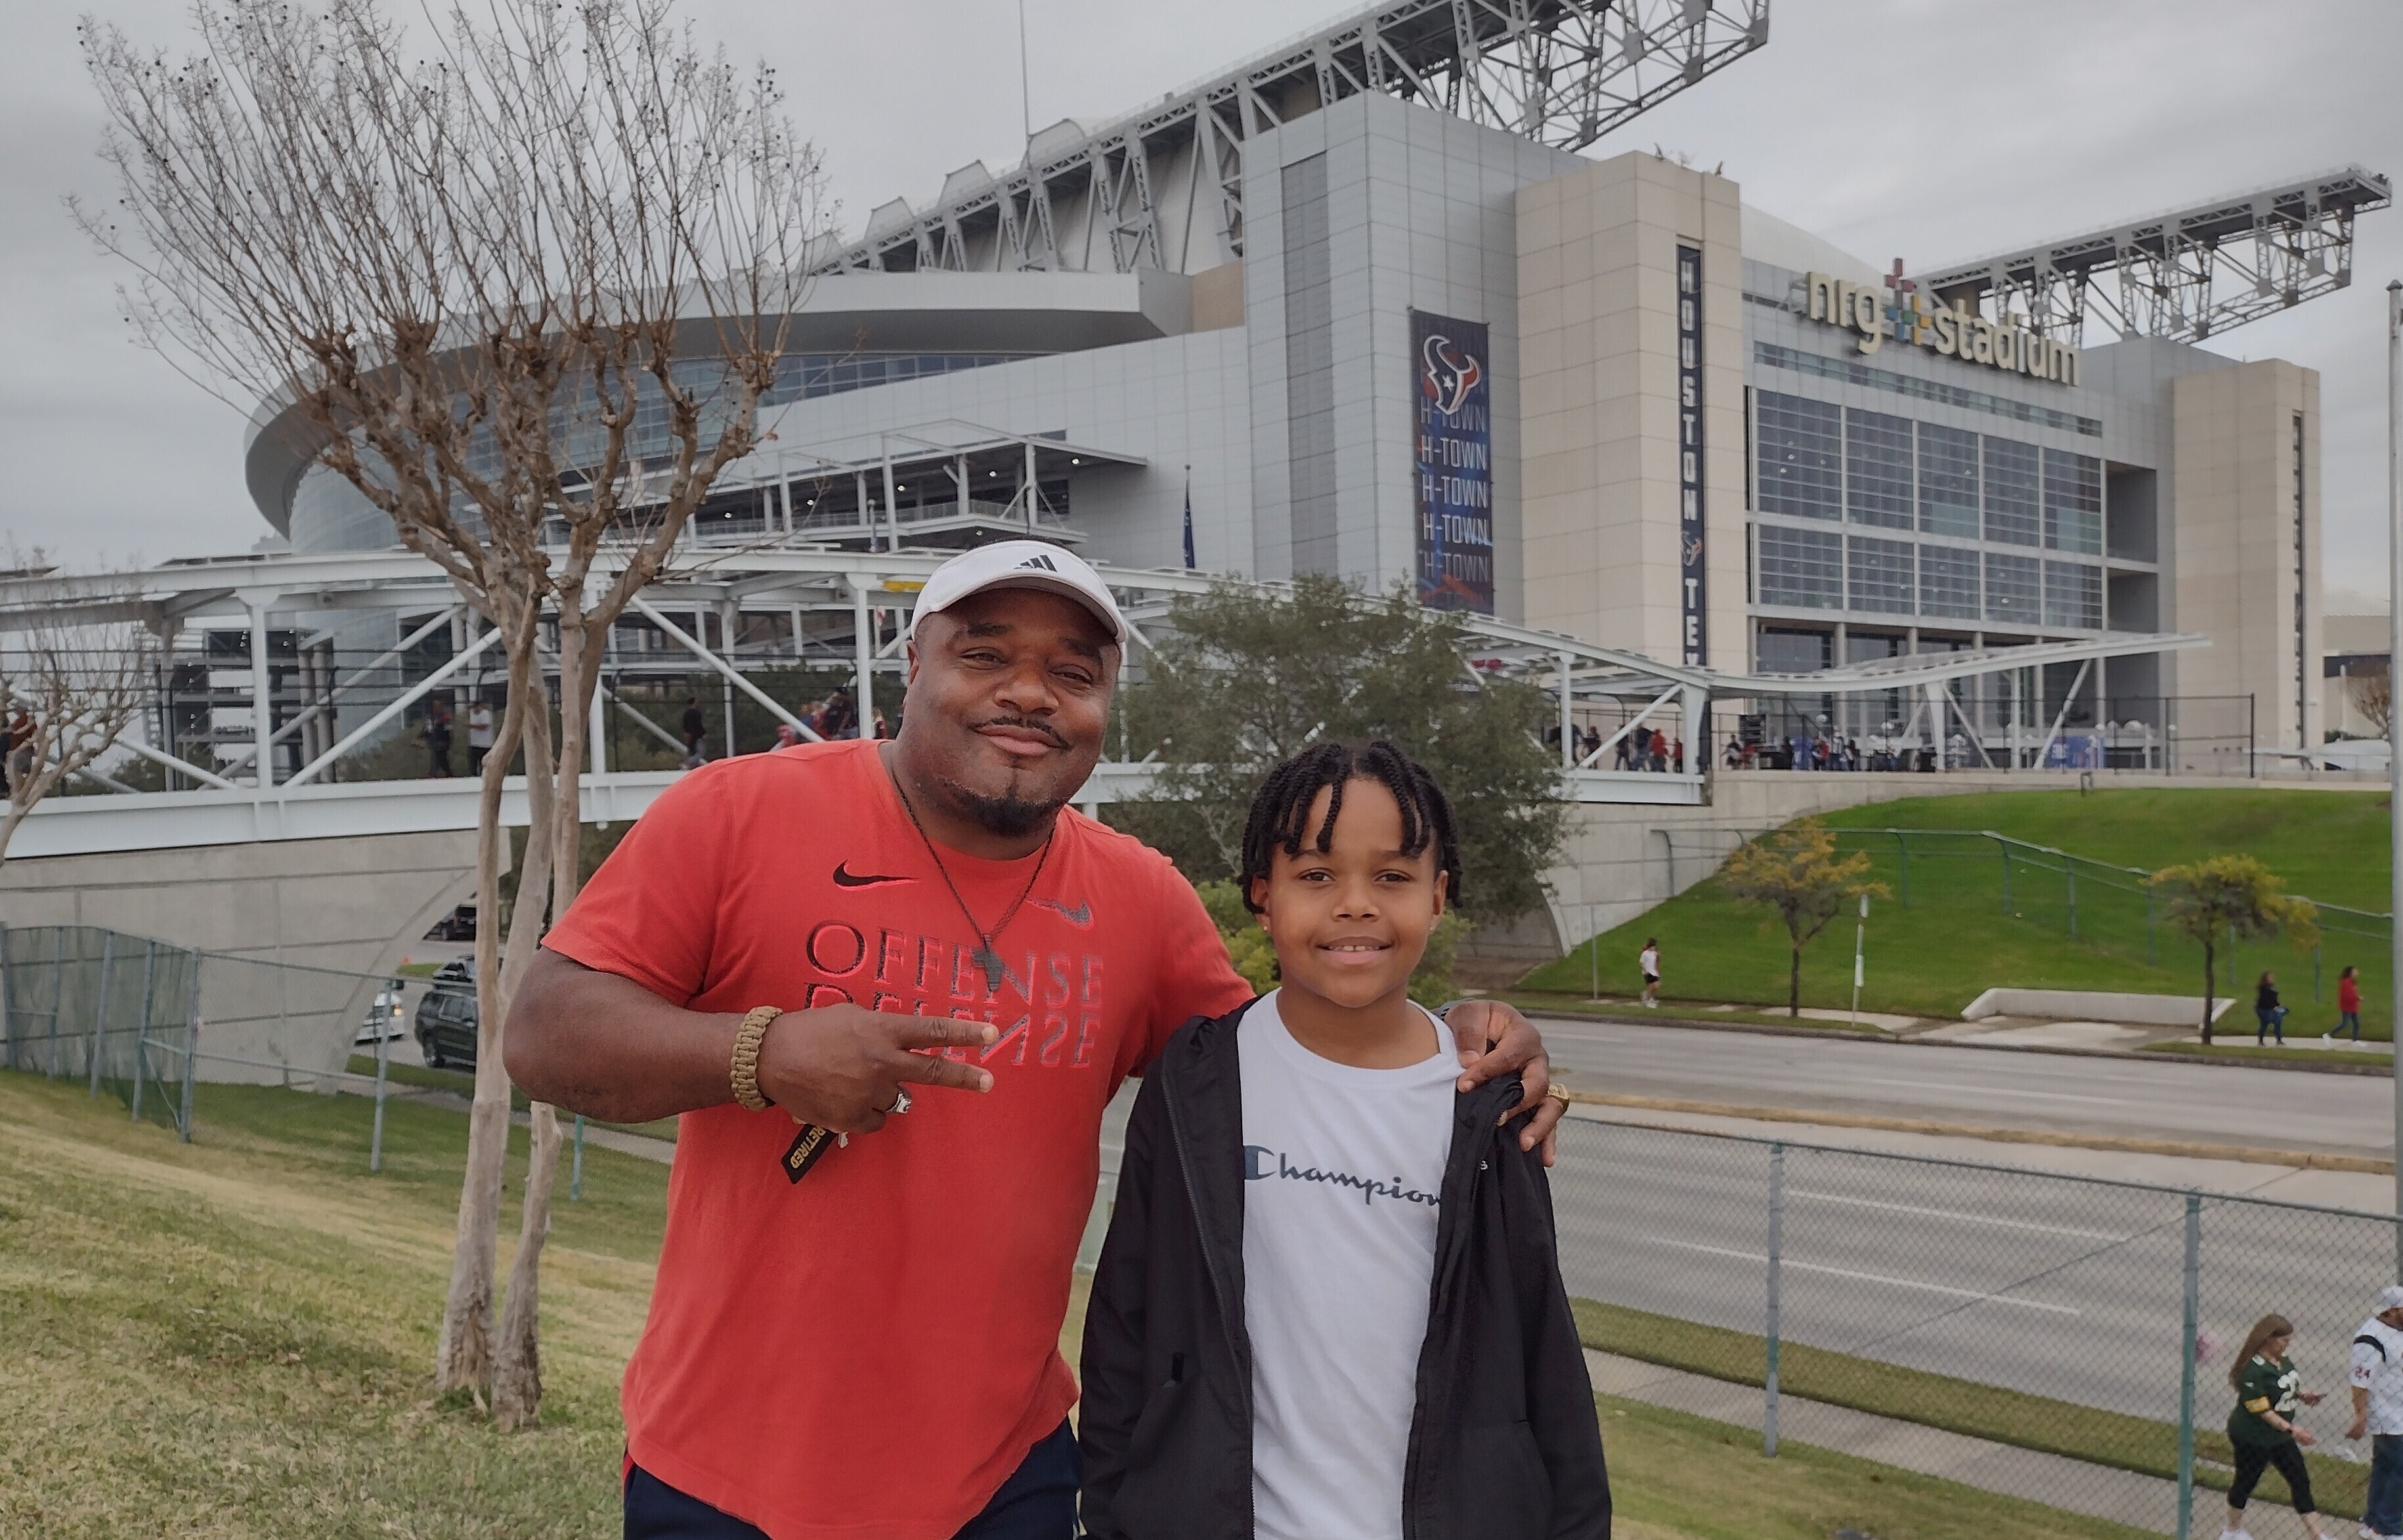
[857, 1337]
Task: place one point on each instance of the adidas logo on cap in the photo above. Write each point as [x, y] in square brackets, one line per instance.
[1045, 562]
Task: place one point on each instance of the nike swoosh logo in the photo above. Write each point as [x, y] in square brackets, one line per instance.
[844, 877]
[1081, 917]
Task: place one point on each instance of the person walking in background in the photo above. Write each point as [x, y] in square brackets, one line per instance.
[2348, 1002]
[2262, 1427]
[1590, 744]
[1649, 963]
[2376, 1382]
[696, 734]
[2268, 1014]
[437, 738]
[786, 736]
[480, 736]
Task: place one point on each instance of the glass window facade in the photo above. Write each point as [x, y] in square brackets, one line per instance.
[2014, 492]
[2073, 502]
[1879, 575]
[1801, 456]
[2014, 589]
[1948, 481]
[1948, 583]
[1877, 469]
[1801, 567]
[2073, 595]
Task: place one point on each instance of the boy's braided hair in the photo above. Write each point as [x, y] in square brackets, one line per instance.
[1281, 810]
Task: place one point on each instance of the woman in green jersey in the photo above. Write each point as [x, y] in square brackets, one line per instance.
[2262, 1427]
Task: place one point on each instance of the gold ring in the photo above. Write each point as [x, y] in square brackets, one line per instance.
[1559, 1093]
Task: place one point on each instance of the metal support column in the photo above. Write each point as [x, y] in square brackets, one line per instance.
[383, 1055]
[263, 696]
[729, 616]
[1034, 493]
[892, 508]
[2193, 1294]
[863, 656]
[100, 1006]
[142, 1025]
[191, 1051]
[1568, 726]
[1776, 1253]
[2394, 671]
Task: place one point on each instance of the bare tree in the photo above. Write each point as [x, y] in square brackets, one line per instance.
[525, 294]
[68, 692]
[2373, 696]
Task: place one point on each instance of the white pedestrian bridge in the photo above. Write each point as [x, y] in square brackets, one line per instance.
[847, 607]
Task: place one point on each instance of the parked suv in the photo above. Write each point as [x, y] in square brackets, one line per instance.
[446, 1018]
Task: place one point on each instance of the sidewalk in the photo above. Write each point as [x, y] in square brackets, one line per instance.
[2099, 1492]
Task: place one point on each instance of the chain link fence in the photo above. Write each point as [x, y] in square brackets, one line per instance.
[2079, 1330]
[146, 1021]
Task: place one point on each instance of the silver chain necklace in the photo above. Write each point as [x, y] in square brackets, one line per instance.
[985, 956]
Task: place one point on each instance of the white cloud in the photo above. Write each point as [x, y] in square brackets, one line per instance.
[1929, 129]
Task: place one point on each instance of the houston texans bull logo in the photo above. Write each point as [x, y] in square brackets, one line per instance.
[1450, 373]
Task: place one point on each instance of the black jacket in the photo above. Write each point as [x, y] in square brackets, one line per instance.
[1504, 1442]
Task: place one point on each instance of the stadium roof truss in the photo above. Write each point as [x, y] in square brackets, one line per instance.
[2185, 276]
[1561, 72]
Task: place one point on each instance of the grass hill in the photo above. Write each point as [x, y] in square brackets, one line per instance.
[2076, 923]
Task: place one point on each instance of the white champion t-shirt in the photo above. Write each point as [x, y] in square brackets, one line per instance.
[1343, 1170]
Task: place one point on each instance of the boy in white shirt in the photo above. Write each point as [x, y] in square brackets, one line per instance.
[2376, 1383]
[1329, 1305]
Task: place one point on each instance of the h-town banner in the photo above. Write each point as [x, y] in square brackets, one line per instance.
[1453, 461]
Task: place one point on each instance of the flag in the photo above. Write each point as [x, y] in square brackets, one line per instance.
[1189, 519]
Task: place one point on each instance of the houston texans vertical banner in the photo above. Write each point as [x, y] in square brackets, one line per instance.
[1693, 633]
[1454, 462]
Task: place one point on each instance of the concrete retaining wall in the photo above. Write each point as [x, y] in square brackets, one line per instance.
[2150, 1010]
[356, 905]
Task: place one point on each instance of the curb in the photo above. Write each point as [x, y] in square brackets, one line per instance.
[2247, 1153]
[1846, 1034]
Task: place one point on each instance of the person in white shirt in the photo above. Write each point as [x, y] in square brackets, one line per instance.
[1649, 963]
[480, 736]
[2377, 1381]
[1272, 1350]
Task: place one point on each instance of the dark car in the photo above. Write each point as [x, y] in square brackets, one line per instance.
[446, 1018]
[457, 925]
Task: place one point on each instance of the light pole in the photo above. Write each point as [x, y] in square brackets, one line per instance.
[2393, 749]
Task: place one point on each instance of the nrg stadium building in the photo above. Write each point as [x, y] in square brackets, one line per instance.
[1368, 304]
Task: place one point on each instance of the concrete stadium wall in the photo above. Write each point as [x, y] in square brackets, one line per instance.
[1622, 860]
[356, 905]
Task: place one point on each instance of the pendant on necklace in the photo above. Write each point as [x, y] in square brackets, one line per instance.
[989, 960]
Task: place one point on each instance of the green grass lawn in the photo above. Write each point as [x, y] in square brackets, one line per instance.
[1956, 938]
[233, 1339]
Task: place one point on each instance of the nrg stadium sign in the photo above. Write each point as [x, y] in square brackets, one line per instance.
[1876, 314]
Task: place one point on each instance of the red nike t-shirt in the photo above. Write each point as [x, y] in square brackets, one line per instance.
[869, 1353]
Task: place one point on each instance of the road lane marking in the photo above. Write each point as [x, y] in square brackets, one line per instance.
[1864, 1277]
[1998, 1091]
[1965, 1218]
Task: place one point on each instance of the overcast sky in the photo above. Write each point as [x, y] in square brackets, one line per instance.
[1929, 130]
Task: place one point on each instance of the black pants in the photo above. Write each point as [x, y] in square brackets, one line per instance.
[2252, 1459]
[1038, 1502]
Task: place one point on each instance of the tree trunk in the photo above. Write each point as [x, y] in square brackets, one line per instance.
[2209, 982]
[462, 1354]
[1794, 983]
[516, 1374]
[517, 1369]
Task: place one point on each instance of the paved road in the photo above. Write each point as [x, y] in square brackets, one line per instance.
[2336, 1114]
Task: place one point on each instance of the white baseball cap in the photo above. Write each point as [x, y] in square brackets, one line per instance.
[2391, 1297]
[1020, 565]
